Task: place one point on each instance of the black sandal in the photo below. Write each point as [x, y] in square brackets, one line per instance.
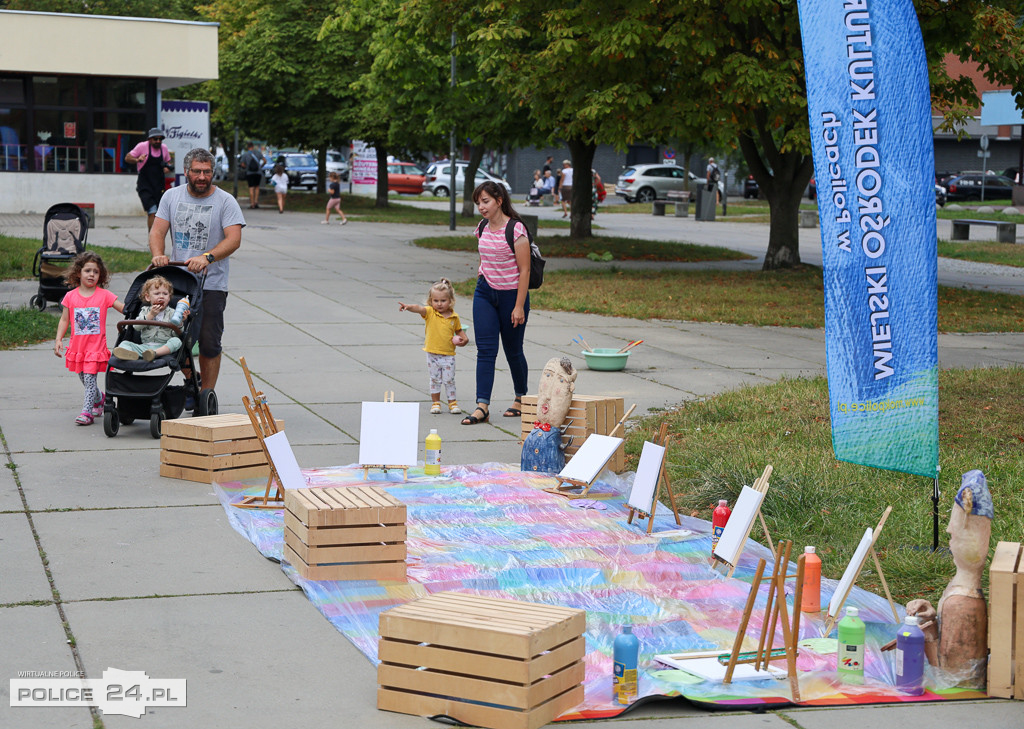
[472, 419]
[514, 412]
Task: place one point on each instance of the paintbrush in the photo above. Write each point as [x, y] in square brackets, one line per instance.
[584, 343]
[631, 345]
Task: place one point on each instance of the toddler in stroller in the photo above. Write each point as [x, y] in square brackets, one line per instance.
[158, 339]
[151, 347]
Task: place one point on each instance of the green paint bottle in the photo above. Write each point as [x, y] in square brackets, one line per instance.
[850, 657]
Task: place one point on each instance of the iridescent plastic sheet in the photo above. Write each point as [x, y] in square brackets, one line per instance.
[491, 529]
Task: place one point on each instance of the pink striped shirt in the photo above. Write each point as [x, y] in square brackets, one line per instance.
[497, 261]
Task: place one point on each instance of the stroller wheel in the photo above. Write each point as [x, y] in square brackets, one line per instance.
[38, 301]
[207, 403]
[154, 423]
[111, 423]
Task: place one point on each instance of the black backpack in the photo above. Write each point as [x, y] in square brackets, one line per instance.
[715, 175]
[536, 260]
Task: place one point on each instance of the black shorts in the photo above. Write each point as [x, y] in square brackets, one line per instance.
[211, 325]
[149, 198]
[254, 180]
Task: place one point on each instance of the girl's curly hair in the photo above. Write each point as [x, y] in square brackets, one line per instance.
[73, 277]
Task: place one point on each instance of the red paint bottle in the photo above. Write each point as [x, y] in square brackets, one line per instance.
[719, 518]
[811, 600]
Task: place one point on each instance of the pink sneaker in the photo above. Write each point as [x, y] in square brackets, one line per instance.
[97, 409]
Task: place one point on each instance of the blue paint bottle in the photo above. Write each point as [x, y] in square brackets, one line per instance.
[626, 653]
[910, 657]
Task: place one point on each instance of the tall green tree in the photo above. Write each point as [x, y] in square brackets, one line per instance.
[746, 83]
[277, 80]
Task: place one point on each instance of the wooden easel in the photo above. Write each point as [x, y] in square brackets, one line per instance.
[389, 396]
[775, 610]
[761, 486]
[264, 425]
[662, 440]
[831, 620]
[566, 486]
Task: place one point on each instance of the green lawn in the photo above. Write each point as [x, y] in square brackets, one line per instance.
[719, 444]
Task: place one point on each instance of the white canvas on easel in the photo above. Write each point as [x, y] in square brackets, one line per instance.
[645, 482]
[389, 433]
[850, 575]
[590, 459]
[283, 459]
[737, 529]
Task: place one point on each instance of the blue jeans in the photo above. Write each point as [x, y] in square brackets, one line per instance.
[492, 318]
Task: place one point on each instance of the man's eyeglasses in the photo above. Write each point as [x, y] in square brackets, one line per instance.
[201, 173]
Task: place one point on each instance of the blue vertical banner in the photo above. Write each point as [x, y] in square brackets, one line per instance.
[869, 107]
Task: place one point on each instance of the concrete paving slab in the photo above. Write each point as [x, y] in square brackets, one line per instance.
[36, 430]
[22, 577]
[994, 713]
[354, 333]
[32, 639]
[309, 358]
[238, 337]
[356, 387]
[156, 551]
[258, 660]
[98, 479]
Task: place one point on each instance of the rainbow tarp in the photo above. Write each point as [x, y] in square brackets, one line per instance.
[490, 529]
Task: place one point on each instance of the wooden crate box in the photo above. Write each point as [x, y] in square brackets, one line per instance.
[212, 448]
[1006, 622]
[590, 414]
[449, 654]
[355, 533]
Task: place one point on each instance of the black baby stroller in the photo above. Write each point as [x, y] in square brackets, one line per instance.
[65, 229]
[141, 389]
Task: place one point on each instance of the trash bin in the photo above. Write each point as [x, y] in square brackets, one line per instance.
[530, 221]
[706, 201]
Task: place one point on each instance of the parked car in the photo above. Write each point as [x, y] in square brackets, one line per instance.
[300, 167]
[750, 188]
[969, 186]
[644, 183]
[439, 175]
[336, 163]
[940, 195]
[405, 177]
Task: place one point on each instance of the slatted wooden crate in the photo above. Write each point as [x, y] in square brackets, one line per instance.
[212, 448]
[1006, 622]
[488, 662]
[590, 414]
[355, 533]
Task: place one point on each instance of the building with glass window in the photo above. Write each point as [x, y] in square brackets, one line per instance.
[77, 92]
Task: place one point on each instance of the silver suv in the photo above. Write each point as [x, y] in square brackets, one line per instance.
[644, 183]
[439, 177]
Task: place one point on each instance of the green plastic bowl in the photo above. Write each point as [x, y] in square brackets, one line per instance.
[606, 359]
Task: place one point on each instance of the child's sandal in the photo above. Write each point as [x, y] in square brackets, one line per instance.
[454, 409]
[435, 409]
[84, 418]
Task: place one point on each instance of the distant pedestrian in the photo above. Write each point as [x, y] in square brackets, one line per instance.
[565, 187]
[334, 187]
[252, 162]
[547, 165]
[597, 193]
[280, 180]
[85, 312]
[152, 158]
[713, 175]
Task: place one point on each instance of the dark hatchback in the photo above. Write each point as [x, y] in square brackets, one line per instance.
[969, 187]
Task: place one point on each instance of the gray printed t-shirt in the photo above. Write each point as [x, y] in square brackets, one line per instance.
[197, 226]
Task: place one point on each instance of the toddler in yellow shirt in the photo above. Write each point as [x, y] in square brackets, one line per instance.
[443, 333]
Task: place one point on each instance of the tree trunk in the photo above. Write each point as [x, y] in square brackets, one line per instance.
[476, 153]
[582, 154]
[782, 185]
[382, 176]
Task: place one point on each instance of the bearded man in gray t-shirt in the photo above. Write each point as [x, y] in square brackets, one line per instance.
[205, 224]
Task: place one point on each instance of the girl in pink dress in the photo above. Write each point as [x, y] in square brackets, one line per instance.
[85, 309]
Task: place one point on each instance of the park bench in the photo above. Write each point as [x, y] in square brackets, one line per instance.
[679, 198]
[1005, 232]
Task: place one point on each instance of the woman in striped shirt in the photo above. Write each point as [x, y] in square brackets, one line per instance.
[501, 304]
